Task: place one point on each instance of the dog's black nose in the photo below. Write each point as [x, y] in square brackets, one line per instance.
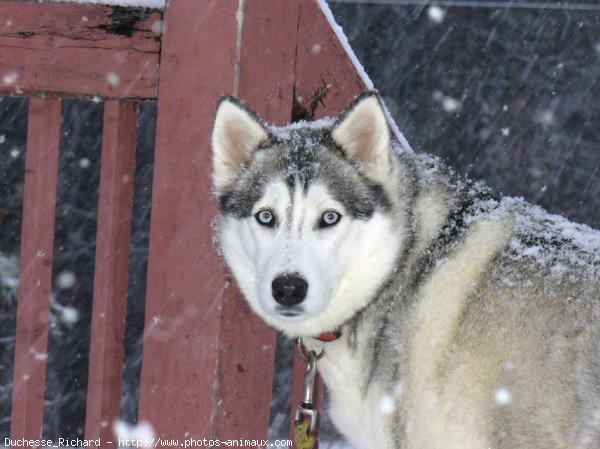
[289, 289]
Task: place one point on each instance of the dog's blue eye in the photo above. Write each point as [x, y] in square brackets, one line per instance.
[265, 217]
[329, 218]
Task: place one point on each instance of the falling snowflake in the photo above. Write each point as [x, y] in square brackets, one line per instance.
[69, 315]
[84, 162]
[10, 78]
[436, 14]
[142, 434]
[66, 280]
[113, 79]
[545, 118]
[503, 396]
[157, 27]
[387, 405]
[451, 104]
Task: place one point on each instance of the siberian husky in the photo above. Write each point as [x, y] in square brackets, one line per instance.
[468, 320]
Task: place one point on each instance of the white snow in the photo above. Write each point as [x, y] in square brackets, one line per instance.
[113, 79]
[451, 104]
[69, 315]
[85, 162]
[387, 405]
[339, 32]
[448, 103]
[9, 271]
[39, 356]
[10, 78]
[554, 240]
[157, 27]
[284, 132]
[503, 396]
[143, 433]
[66, 280]
[436, 14]
[545, 118]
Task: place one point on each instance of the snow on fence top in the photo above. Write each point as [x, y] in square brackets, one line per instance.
[339, 32]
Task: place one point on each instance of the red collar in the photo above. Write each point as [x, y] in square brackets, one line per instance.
[328, 337]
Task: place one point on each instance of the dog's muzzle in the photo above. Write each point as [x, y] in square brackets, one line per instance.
[289, 289]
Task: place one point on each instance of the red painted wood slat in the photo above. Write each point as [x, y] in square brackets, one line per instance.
[72, 49]
[247, 345]
[111, 270]
[186, 285]
[323, 68]
[39, 206]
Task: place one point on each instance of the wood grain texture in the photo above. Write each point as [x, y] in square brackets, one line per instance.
[186, 282]
[37, 249]
[111, 270]
[247, 344]
[326, 79]
[72, 50]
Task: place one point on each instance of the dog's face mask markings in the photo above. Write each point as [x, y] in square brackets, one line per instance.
[302, 211]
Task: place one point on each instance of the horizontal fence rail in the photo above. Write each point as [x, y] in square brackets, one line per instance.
[76, 49]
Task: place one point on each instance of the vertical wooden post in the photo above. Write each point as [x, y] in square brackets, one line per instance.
[186, 287]
[215, 378]
[247, 345]
[39, 207]
[111, 270]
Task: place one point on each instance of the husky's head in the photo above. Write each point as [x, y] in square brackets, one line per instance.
[308, 220]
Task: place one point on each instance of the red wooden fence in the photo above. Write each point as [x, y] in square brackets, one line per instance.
[208, 362]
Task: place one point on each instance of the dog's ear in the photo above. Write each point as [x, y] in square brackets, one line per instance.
[237, 133]
[363, 134]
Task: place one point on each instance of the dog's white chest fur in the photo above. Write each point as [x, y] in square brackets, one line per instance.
[356, 414]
